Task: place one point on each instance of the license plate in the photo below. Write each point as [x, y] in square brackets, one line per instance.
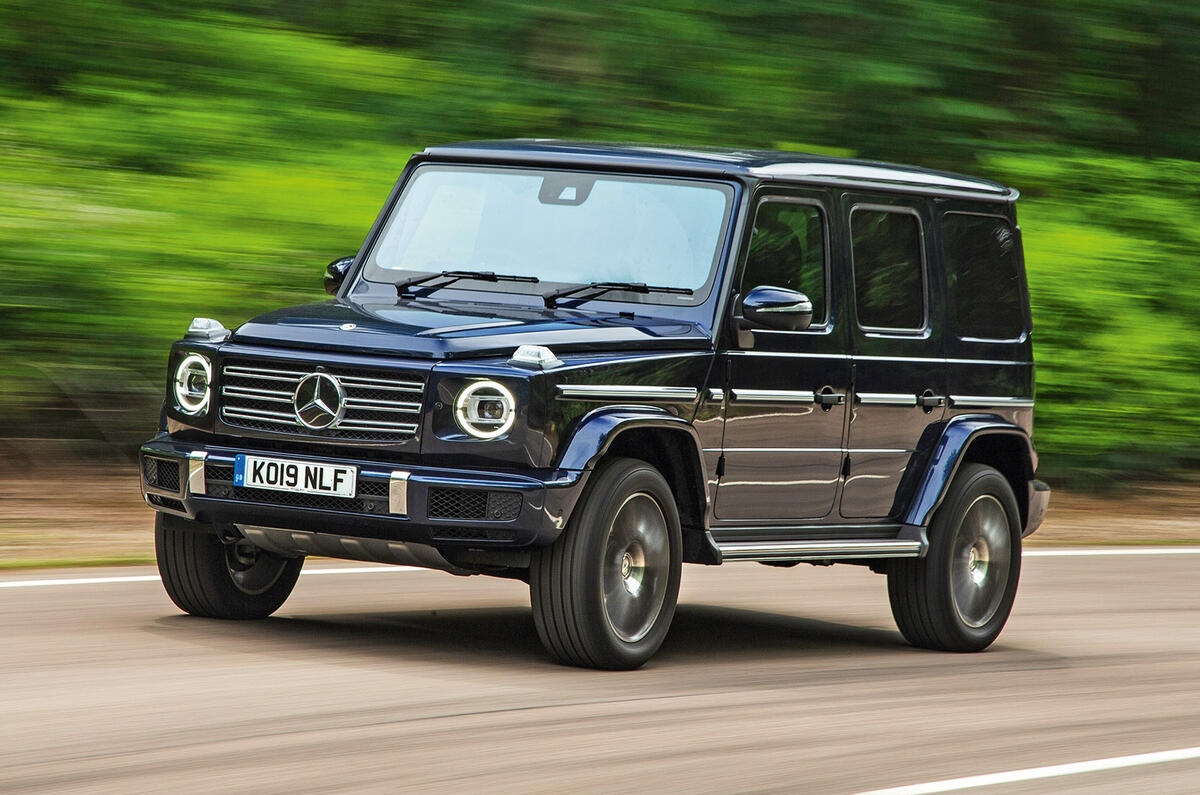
[301, 477]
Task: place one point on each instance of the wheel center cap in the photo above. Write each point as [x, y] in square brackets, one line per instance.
[626, 565]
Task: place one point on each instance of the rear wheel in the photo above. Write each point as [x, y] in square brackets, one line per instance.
[206, 577]
[959, 596]
[604, 593]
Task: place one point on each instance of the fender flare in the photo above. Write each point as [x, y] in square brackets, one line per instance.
[594, 437]
[597, 430]
[942, 463]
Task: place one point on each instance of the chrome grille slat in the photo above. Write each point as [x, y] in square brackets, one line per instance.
[382, 405]
[386, 408]
[245, 411]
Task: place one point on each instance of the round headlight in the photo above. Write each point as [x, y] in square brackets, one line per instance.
[193, 380]
[485, 409]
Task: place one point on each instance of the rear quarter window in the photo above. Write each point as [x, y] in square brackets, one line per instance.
[983, 272]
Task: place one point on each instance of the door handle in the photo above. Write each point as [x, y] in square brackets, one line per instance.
[830, 398]
[930, 401]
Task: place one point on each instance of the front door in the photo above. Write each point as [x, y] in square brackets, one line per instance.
[785, 390]
[899, 372]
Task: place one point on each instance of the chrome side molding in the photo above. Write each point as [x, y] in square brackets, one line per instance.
[623, 392]
[886, 399]
[835, 549]
[773, 396]
[988, 402]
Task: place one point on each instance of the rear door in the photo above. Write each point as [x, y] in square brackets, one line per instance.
[785, 390]
[899, 370]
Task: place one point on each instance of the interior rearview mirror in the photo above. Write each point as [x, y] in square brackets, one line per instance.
[335, 274]
[777, 308]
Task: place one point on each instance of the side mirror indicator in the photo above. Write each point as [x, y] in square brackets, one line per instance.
[335, 274]
[777, 308]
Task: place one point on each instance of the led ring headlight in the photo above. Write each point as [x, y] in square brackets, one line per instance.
[485, 409]
[193, 384]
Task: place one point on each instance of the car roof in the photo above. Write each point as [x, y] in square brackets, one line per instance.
[752, 163]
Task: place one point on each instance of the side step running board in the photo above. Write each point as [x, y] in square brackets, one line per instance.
[819, 550]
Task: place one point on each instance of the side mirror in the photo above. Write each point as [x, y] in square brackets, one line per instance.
[335, 274]
[777, 308]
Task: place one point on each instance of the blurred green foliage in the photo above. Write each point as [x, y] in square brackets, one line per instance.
[160, 160]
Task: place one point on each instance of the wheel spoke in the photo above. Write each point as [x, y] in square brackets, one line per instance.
[636, 559]
[979, 563]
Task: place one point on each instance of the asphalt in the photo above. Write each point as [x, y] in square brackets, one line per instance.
[772, 680]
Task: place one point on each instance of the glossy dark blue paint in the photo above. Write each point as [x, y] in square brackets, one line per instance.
[868, 468]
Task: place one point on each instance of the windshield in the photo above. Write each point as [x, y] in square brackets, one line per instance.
[562, 227]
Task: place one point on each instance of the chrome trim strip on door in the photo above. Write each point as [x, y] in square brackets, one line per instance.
[773, 396]
[924, 359]
[620, 391]
[716, 395]
[886, 399]
[819, 550]
[987, 402]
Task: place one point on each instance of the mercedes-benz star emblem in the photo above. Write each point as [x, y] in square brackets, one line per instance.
[319, 401]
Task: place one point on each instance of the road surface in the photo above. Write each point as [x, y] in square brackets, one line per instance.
[772, 680]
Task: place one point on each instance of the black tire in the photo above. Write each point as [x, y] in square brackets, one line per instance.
[959, 596]
[205, 577]
[580, 620]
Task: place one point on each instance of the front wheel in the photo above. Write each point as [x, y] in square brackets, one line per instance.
[206, 577]
[959, 596]
[604, 593]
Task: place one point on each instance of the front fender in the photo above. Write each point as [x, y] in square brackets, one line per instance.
[596, 431]
[935, 467]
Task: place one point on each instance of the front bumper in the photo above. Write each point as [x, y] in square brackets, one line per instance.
[445, 508]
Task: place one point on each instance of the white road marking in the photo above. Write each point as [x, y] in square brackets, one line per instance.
[1059, 552]
[1033, 773]
[1071, 552]
[156, 578]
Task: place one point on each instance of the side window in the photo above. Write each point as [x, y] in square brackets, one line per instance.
[889, 282]
[983, 273]
[788, 250]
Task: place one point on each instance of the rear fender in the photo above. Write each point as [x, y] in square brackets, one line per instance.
[934, 467]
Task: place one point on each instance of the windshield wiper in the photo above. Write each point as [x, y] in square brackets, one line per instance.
[600, 288]
[403, 288]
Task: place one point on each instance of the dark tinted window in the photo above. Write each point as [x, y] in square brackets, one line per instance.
[983, 272]
[788, 250]
[888, 282]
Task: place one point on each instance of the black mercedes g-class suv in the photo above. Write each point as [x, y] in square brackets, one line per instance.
[582, 365]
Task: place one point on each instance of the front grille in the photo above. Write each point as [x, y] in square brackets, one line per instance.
[499, 506]
[380, 406]
[162, 473]
[372, 495]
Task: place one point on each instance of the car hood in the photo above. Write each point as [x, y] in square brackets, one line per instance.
[457, 329]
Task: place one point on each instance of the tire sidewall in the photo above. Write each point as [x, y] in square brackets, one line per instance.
[974, 481]
[612, 487]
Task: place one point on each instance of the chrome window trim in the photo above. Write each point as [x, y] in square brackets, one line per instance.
[769, 195]
[921, 331]
[773, 396]
[623, 392]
